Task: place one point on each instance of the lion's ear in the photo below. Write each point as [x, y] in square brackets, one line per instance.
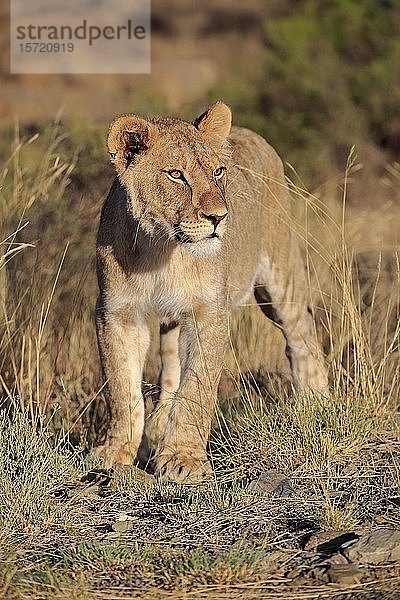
[215, 123]
[128, 138]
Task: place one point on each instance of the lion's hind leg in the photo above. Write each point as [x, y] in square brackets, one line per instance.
[169, 380]
[281, 292]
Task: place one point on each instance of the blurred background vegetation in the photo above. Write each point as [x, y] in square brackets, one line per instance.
[313, 76]
[328, 77]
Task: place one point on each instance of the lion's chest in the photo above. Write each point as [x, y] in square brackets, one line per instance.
[180, 291]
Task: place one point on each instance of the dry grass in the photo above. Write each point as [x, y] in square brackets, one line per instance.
[341, 451]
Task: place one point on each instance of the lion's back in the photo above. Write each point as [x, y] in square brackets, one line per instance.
[250, 150]
[259, 204]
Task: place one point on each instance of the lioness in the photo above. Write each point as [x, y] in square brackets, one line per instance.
[197, 220]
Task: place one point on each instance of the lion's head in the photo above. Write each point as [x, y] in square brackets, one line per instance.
[174, 173]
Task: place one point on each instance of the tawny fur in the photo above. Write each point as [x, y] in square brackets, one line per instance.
[197, 220]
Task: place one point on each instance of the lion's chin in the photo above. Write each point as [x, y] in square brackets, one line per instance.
[203, 248]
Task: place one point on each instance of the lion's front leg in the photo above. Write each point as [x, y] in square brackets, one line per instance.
[123, 343]
[181, 455]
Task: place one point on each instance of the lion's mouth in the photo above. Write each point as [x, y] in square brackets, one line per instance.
[184, 238]
[204, 247]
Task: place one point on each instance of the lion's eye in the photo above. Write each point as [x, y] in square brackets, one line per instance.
[175, 174]
[219, 172]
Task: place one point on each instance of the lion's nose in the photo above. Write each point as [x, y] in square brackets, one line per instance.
[214, 218]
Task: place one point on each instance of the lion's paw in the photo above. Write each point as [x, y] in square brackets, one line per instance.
[113, 454]
[182, 468]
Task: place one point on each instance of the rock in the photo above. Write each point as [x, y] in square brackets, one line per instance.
[340, 574]
[344, 574]
[329, 542]
[337, 559]
[122, 526]
[124, 523]
[379, 546]
[273, 482]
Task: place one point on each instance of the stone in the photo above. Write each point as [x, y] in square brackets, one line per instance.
[379, 546]
[328, 542]
[347, 574]
[122, 526]
[344, 574]
[337, 559]
[273, 482]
